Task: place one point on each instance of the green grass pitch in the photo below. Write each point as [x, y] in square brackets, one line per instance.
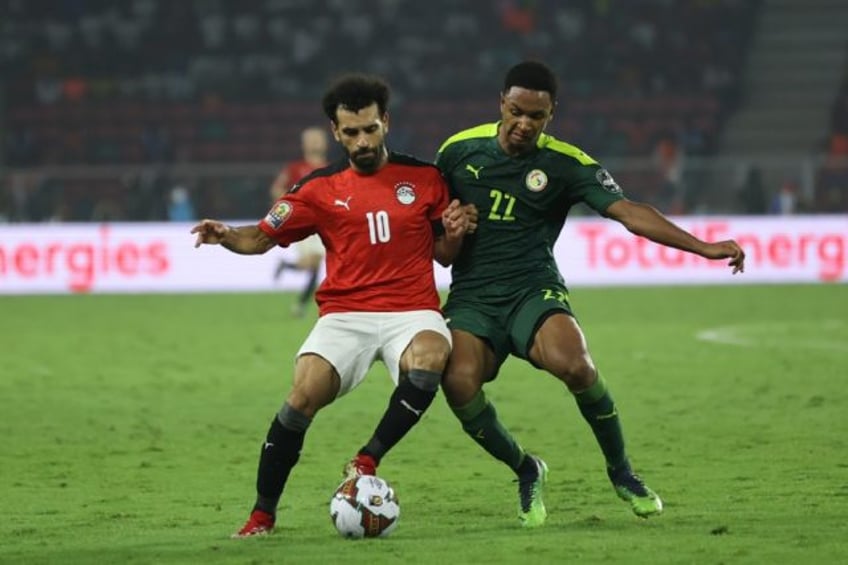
[130, 428]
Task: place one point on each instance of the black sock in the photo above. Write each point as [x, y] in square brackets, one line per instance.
[406, 406]
[279, 454]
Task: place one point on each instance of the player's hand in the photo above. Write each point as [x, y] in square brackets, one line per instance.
[470, 211]
[211, 232]
[727, 250]
[459, 220]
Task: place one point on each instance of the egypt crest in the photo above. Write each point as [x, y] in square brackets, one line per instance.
[405, 193]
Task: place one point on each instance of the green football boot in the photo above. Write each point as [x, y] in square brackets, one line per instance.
[531, 486]
[643, 501]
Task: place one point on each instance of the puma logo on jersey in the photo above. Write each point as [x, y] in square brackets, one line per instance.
[474, 170]
[343, 203]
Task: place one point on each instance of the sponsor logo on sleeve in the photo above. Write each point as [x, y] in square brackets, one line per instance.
[279, 214]
[607, 181]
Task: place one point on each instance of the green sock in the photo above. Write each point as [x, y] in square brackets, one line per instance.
[480, 421]
[598, 409]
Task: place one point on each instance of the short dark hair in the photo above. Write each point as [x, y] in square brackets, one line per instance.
[355, 92]
[532, 75]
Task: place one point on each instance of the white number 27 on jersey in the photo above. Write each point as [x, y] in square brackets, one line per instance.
[378, 227]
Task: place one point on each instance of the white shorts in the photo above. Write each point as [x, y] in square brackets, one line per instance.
[312, 245]
[352, 341]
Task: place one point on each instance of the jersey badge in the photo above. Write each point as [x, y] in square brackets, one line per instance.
[536, 180]
[607, 181]
[279, 214]
[405, 193]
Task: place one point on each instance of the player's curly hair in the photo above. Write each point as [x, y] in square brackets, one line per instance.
[532, 75]
[354, 92]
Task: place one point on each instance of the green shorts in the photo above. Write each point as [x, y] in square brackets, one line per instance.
[508, 324]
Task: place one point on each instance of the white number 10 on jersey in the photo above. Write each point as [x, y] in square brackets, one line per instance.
[378, 227]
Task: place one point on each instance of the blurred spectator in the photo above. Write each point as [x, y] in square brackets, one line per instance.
[22, 147]
[753, 195]
[669, 160]
[156, 144]
[785, 202]
[831, 194]
[107, 210]
[152, 81]
[180, 207]
[5, 203]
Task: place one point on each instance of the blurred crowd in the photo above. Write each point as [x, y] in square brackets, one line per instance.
[97, 81]
[137, 82]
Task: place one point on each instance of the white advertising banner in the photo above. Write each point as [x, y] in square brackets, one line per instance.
[160, 257]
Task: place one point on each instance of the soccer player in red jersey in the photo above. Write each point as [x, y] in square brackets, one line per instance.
[309, 251]
[383, 217]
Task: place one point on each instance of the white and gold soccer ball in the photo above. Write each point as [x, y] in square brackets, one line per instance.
[364, 506]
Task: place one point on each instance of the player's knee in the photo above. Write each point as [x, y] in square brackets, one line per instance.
[304, 403]
[429, 352]
[578, 374]
[433, 360]
[292, 418]
[427, 381]
[461, 382]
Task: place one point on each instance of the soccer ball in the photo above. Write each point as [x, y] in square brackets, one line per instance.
[364, 506]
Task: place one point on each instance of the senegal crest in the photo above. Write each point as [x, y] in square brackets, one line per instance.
[536, 180]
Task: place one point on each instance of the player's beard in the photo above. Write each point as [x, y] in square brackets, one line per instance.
[368, 160]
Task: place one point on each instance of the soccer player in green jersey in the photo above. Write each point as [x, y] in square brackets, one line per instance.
[508, 296]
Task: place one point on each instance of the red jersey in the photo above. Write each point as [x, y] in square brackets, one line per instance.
[378, 230]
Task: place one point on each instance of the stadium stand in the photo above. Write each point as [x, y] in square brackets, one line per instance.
[831, 192]
[177, 83]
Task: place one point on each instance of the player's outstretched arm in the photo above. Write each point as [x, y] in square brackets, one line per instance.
[457, 220]
[245, 240]
[646, 221]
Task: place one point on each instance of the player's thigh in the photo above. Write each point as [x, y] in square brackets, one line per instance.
[347, 341]
[487, 324]
[418, 339]
[546, 333]
[560, 348]
[527, 323]
[472, 363]
[316, 384]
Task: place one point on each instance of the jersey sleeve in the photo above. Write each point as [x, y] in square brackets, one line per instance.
[290, 219]
[594, 185]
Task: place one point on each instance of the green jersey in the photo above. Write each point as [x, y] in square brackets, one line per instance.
[523, 202]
